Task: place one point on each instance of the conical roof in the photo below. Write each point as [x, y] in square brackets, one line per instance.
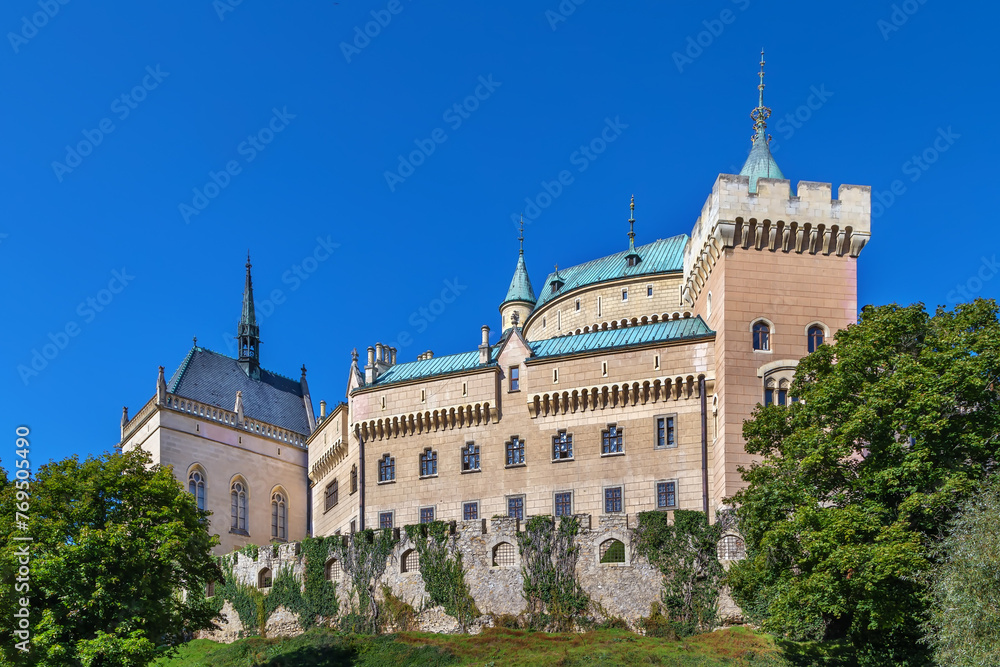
[520, 285]
[760, 163]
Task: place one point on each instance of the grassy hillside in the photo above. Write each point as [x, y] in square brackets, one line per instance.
[737, 647]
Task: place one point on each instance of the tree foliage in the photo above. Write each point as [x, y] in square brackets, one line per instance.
[964, 626]
[364, 558]
[443, 576]
[548, 569]
[898, 423]
[114, 541]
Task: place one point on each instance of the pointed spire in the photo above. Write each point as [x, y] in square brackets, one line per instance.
[760, 163]
[248, 333]
[520, 284]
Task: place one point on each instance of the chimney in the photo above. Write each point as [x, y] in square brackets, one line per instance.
[378, 353]
[428, 355]
[484, 347]
[322, 410]
[392, 356]
[370, 368]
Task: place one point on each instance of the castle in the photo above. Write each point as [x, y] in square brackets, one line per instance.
[610, 388]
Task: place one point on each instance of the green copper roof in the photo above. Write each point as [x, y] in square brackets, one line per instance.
[661, 256]
[520, 285]
[760, 163]
[610, 340]
[613, 339]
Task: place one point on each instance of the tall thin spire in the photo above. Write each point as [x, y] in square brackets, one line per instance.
[248, 333]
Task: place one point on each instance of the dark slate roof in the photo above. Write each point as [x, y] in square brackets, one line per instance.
[209, 377]
[660, 256]
[610, 340]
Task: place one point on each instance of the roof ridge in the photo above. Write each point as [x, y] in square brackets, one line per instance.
[175, 379]
[615, 254]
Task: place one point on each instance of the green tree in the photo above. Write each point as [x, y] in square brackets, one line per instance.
[115, 542]
[964, 627]
[898, 424]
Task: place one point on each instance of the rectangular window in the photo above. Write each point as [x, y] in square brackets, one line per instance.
[515, 451]
[782, 397]
[515, 378]
[515, 507]
[383, 402]
[426, 514]
[470, 511]
[768, 396]
[332, 493]
[598, 306]
[385, 519]
[656, 363]
[558, 320]
[625, 294]
[562, 446]
[354, 526]
[564, 503]
[611, 440]
[428, 463]
[423, 395]
[578, 304]
[470, 457]
[386, 468]
[666, 495]
[649, 290]
[613, 500]
[666, 431]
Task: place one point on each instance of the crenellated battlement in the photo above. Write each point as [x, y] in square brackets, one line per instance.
[774, 219]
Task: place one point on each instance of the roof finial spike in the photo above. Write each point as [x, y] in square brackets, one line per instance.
[520, 237]
[761, 113]
[248, 258]
[631, 225]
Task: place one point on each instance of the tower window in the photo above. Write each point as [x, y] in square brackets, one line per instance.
[604, 369]
[562, 446]
[428, 463]
[470, 457]
[625, 294]
[578, 304]
[649, 290]
[386, 469]
[515, 378]
[555, 375]
[598, 306]
[761, 336]
[515, 451]
[815, 336]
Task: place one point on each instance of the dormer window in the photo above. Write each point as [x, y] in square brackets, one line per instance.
[632, 260]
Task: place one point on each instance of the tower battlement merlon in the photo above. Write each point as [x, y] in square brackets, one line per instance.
[772, 218]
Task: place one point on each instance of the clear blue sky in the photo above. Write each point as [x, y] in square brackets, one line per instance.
[210, 76]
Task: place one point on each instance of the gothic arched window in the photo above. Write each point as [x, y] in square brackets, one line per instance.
[761, 336]
[279, 516]
[816, 335]
[196, 485]
[238, 496]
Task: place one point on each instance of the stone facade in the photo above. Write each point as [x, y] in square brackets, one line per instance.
[626, 590]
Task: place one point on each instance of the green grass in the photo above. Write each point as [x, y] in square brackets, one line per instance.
[736, 647]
